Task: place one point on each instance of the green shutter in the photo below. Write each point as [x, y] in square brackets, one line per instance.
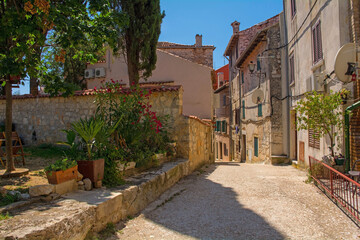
[242, 77]
[259, 110]
[243, 107]
[256, 147]
[217, 126]
[223, 126]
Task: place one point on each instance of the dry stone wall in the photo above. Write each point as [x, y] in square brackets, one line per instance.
[40, 120]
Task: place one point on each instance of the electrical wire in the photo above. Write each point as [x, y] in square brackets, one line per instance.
[302, 24]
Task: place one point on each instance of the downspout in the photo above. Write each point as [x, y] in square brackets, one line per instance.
[287, 88]
[347, 133]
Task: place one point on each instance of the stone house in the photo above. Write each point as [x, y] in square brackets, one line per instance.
[354, 13]
[315, 31]
[222, 114]
[237, 45]
[261, 98]
[187, 65]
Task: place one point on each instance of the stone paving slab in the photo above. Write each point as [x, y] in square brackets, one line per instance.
[241, 201]
[74, 215]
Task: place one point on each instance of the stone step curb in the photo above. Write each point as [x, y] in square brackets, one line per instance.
[81, 212]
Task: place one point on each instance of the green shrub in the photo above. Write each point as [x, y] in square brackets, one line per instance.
[61, 164]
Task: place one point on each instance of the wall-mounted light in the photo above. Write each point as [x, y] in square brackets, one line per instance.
[251, 66]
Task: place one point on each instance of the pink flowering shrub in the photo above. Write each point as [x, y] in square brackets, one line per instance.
[140, 132]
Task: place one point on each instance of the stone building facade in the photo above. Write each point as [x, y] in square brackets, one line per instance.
[354, 10]
[313, 43]
[260, 98]
[240, 46]
[222, 115]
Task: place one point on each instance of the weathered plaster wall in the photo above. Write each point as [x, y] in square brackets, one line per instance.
[335, 20]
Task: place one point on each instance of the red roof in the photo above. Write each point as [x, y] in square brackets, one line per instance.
[89, 92]
[245, 36]
[225, 71]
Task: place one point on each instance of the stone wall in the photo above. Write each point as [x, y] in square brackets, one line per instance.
[41, 119]
[201, 55]
[355, 117]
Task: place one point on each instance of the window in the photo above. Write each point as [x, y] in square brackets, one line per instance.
[223, 126]
[317, 45]
[224, 100]
[314, 140]
[238, 146]
[292, 69]
[256, 146]
[237, 116]
[242, 77]
[259, 110]
[293, 8]
[218, 126]
[243, 108]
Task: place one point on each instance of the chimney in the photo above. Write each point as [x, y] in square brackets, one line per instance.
[235, 25]
[198, 40]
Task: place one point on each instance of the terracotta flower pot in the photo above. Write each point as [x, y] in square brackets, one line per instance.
[56, 177]
[94, 170]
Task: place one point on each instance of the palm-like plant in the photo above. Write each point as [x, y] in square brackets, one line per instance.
[87, 129]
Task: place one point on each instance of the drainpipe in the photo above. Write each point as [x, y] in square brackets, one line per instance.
[347, 133]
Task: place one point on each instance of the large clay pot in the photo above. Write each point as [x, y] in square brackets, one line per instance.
[94, 170]
[62, 176]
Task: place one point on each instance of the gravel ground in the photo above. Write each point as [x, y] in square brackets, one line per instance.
[241, 201]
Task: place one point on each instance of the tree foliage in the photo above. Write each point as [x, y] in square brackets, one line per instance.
[139, 38]
[24, 29]
[321, 113]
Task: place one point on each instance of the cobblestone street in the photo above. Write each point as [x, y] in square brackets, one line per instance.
[241, 201]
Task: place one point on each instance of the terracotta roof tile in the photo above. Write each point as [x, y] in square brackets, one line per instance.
[89, 92]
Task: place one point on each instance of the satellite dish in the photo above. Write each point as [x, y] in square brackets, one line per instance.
[257, 96]
[345, 62]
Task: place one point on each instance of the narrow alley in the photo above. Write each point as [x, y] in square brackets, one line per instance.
[241, 201]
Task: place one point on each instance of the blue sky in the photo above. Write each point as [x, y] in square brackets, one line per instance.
[212, 18]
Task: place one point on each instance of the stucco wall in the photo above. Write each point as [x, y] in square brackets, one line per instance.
[334, 18]
[195, 79]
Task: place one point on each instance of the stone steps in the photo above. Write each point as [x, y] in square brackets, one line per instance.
[78, 213]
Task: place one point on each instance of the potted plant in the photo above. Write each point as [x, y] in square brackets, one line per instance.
[61, 171]
[87, 130]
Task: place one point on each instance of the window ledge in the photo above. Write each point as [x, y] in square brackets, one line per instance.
[318, 65]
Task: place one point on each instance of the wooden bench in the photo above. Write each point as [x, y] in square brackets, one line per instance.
[17, 147]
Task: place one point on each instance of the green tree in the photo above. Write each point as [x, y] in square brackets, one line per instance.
[139, 38]
[321, 113]
[24, 27]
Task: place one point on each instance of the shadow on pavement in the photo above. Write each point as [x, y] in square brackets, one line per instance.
[208, 210]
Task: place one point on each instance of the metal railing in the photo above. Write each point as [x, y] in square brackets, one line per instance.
[344, 190]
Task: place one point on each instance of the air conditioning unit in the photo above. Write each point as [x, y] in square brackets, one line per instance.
[89, 73]
[99, 72]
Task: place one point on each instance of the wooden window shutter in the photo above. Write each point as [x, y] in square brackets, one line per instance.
[314, 140]
[259, 110]
[318, 38]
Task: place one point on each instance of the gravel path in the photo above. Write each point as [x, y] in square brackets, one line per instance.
[241, 201]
